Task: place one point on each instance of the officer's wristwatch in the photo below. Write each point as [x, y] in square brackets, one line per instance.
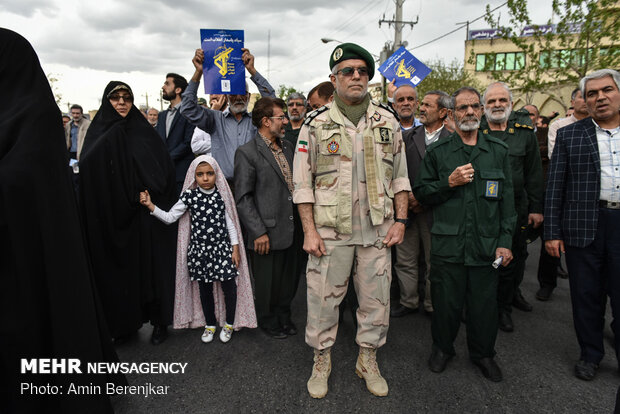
[405, 221]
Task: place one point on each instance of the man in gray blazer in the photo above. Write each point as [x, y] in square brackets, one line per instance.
[433, 112]
[263, 193]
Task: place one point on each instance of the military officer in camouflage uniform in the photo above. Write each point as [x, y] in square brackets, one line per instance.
[351, 185]
[466, 178]
[516, 130]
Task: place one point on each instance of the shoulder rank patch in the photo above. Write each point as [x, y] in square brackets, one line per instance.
[387, 108]
[314, 114]
[511, 130]
[491, 189]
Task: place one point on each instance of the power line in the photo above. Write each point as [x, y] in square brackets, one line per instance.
[458, 28]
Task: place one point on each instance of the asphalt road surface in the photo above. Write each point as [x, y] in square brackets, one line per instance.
[254, 373]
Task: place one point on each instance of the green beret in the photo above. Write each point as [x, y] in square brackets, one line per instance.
[346, 51]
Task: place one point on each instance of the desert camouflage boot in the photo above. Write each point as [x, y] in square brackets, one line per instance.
[317, 384]
[367, 368]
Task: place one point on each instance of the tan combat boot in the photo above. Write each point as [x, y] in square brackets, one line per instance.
[317, 384]
[367, 368]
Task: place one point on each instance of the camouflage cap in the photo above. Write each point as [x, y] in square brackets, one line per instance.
[202, 101]
[346, 51]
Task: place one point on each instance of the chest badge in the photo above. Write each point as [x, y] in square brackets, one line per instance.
[376, 117]
[491, 191]
[333, 147]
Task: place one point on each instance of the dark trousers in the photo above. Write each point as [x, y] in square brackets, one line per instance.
[511, 276]
[454, 285]
[276, 277]
[547, 268]
[229, 287]
[593, 273]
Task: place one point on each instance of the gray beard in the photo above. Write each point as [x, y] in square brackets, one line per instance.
[495, 118]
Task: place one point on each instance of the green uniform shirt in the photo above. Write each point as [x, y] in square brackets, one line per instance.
[470, 221]
[525, 161]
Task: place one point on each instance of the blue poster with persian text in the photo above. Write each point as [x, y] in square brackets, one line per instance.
[404, 67]
[224, 72]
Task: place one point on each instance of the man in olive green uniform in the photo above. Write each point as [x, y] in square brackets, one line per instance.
[516, 130]
[466, 178]
[350, 177]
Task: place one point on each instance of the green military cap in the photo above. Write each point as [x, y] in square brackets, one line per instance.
[202, 101]
[346, 51]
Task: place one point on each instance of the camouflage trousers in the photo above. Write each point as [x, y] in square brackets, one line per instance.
[328, 278]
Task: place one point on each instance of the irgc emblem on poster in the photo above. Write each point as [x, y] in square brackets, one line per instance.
[404, 67]
[224, 72]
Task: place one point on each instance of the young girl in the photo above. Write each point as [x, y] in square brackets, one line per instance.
[211, 254]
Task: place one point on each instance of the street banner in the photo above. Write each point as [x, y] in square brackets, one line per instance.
[224, 72]
[404, 67]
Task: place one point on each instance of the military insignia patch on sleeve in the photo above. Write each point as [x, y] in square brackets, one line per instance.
[384, 133]
[302, 146]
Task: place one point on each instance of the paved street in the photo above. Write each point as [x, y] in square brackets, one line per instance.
[257, 374]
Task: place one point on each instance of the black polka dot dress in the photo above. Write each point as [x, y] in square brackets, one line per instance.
[209, 254]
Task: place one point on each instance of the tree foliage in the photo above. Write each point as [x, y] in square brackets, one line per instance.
[446, 77]
[284, 91]
[52, 79]
[585, 38]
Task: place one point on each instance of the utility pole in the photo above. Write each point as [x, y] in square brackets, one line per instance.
[398, 23]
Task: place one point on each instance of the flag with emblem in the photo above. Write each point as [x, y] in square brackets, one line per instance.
[302, 146]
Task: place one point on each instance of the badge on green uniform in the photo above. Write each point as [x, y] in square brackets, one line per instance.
[491, 191]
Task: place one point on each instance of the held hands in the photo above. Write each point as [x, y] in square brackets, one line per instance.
[145, 200]
[313, 244]
[461, 175]
[236, 257]
[261, 244]
[501, 251]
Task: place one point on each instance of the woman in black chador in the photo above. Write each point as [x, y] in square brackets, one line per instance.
[133, 254]
[48, 303]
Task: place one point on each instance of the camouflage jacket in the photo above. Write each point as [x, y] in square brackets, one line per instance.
[350, 173]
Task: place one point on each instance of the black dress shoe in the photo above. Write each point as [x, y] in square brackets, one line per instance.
[401, 310]
[585, 370]
[438, 361]
[520, 303]
[275, 333]
[489, 369]
[289, 328]
[544, 293]
[505, 322]
[159, 335]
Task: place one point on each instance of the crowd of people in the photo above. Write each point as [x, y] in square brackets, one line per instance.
[329, 187]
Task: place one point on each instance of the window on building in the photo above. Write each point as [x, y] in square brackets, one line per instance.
[500, 61]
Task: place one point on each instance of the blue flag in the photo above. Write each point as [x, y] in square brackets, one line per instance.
[404, 67]
[224, 72]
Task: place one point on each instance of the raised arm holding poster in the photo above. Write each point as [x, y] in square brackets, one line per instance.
[224, 72]
[404, 67]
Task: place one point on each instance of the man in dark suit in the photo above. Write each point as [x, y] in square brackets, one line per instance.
[582, 214]
[175, 130]
[433, 112]
[263, 193]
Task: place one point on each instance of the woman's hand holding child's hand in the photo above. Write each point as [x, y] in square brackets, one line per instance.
[236, 257]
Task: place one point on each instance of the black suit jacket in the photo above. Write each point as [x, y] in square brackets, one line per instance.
[573, 186]
[415, 149]
[178, 142]
[264, 202]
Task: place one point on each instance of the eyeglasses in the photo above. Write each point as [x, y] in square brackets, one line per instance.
[295, 104]
[463, 108]
[348, 71]
[117, 97]
[281, 118]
